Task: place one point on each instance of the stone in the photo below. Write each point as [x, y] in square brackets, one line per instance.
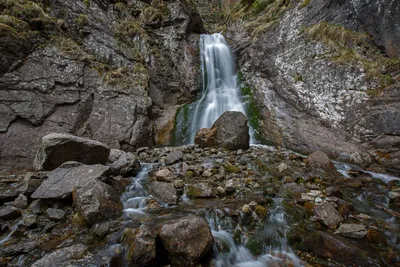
[163, 191]
[327, 213]
[375, 237]
[38, 206]
[292, 190]
[207, 173]
[187, 239]
[127, 165]
[30, 184]
[230, 187]
[98, 202]
[8, 213]
[63, 181]
[164, 175]
[21, 202]
[333, 191]
[62, 257]
[246, 209]
[104, 228]
[173, 157]
[199, 190]
[55, 214]
[7, 193]
[115, 154]
[31, 221]
[221, 191]
[229, 131]
[356, 231]
[141, 246]
[282, 167]
[179, 183]
[57, 148]
[394, 197]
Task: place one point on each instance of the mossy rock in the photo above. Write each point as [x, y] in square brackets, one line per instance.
[255, 245]
[231, 168]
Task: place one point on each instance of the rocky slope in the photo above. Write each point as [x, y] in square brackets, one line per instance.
[325, 75]
[100, 69]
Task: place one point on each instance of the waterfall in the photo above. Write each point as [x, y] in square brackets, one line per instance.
[220, 91]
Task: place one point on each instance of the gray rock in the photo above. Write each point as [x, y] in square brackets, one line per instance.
[55, 214]
[327, 213]
[7, 194]
[62, 182]
[291, 190]
[142, 245]
[187, 239]
[8, 213]
[19, 248]
[357, 231]
[200, 190]
[173, 157]
[127, 165]
[57, 148]
[163, 175]
[103, 229]
[229, 131]
[62, 257]
[163, 191]
[115, 154]
[29, 184]
[98, 202]
[38, 206]
[320, 160]
[21, 202]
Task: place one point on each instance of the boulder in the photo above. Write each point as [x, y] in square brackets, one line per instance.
[98, 202]
[229, 131]
[57, 148]
[163, 175]
[31, 182]
[62, 257]
[127, 165]
[327, 213]
[357, 231]
[21, 202]
[114, 155]
[7, 194]
[163, 191]
[8, 213]
[141, 246]
[319, 161]
[200, 190]
[62, 181]
[173, 157]
[187, 240]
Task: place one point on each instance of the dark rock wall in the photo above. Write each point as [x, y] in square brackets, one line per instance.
[101, 69]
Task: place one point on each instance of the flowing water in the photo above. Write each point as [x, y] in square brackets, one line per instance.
[220, 91]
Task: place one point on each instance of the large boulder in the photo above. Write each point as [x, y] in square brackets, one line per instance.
[65, 179]
[163, 191]
[126, 165]
[321, 163]
[57, 148]
[63, 256]
[140, 246]
[229, 131]
[187, 240]
[328, 215]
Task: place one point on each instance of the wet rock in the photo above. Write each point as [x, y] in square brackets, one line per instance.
[199, 190]
[57, 148]
[375, 237]
[62, 257]
[114, 155]
[38, 206]
[21, 202]
[394, 196]
[327, 245]
[31, 221]
[320, 161]
[357, 231]
[333, 191]
[62, 181]
[127, 165]
[98, 202]
[19, 248]
[327, 213]
[163, 175]
[8, 213]
[292, 190]
[229, 131]
[55, 214]
[105, 228]
[173, 157]
[163, 191]
[141, 246]
[187, 240]
[119, 183]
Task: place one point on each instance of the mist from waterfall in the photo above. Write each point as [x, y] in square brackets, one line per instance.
[220, 91]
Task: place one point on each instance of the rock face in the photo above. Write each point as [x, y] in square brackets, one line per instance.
[187, 240]
[56, 149]
[347, 109]
[100, 70]
[229, 131]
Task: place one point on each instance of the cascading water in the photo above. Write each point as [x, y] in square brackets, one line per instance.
[220, 91]
[276, 250]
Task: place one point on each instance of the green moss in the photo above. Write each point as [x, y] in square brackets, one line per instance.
[72, 48]
[231, 168]
[255, 245]
[298, 77]
[305, 3]
[87, 3]
[82, 20]
[156, 12]
[126, 29]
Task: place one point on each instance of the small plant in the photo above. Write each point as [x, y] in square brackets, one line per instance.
[305, 3]
[82, 20]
